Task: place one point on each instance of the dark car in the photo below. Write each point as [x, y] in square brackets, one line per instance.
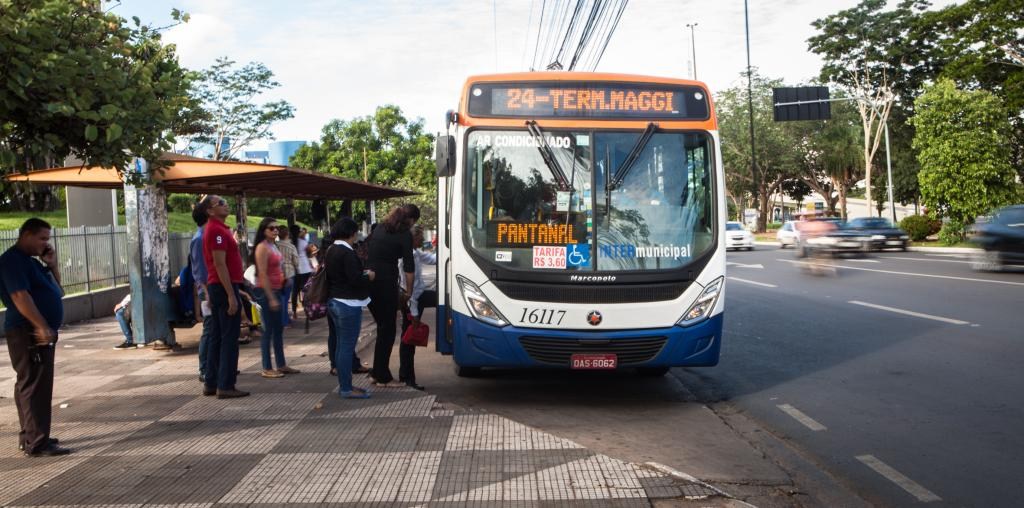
[880, 233]
[1001, 239]
[837, 242]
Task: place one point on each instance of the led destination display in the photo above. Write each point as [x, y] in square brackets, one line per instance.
[588, 100]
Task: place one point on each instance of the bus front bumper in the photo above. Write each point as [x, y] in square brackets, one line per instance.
[477, 344]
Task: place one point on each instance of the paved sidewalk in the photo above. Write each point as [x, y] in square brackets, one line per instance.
[144, 436]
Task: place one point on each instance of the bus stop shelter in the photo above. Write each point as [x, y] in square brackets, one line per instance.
[146, 211]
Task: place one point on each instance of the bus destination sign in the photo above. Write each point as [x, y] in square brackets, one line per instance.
[588, 100]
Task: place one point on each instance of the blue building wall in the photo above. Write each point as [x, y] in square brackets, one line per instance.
[281, 151]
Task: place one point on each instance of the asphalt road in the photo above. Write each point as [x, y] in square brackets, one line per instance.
[900, 373]
[894, 381]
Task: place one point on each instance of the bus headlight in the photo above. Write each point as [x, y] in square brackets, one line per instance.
[701, 309]
[478, 304]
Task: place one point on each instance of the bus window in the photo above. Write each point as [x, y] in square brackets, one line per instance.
[514, 201]
[661, 215]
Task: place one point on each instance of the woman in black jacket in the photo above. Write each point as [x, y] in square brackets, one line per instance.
[389, 242]
[349, 287]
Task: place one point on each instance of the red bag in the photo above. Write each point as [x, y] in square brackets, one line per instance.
[416, 335]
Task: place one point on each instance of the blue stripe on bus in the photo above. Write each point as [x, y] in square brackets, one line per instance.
[478, 344]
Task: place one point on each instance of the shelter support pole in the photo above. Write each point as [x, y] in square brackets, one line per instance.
[290, 212]
[148, 262]
[241, 224]
[346, 208]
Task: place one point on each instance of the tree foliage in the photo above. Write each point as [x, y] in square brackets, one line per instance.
[80, 81]
[233, 119]
[398, 152]
[962, 147]
[773, 148]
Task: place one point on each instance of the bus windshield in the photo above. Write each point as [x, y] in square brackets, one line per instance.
[654, 212]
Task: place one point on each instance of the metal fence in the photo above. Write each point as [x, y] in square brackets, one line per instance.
[93, 258]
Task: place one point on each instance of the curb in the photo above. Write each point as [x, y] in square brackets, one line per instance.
[945, 250]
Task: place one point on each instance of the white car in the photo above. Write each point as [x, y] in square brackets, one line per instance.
[788, 234]
[737, 237]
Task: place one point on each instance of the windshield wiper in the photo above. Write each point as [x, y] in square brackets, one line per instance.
[548, 155]
[634, 154]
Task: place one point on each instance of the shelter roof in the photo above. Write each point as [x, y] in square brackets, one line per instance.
[194, 175]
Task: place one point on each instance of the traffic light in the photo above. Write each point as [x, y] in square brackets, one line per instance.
[801, 103]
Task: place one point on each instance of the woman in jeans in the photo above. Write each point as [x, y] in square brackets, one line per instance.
[349, 287]
[304, 269]
[269, 281]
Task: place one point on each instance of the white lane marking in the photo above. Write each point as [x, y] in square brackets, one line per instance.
[922, 494]
[799, 416]
[741, 265]
[961, 256]
[911, 274]
[911, 313]
[862, 260]
[926, 259]
[737, 279]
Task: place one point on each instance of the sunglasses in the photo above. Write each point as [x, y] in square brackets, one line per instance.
[272, 227]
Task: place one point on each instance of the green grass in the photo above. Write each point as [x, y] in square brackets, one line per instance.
[177, 222]
[14, 220]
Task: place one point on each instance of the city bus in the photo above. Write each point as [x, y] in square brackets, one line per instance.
[581, 224]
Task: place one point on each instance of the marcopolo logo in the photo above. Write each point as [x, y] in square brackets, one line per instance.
[592, 278]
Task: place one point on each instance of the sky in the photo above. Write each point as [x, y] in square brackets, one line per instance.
[343, 58]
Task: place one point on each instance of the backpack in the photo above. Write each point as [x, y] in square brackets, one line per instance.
[185, 301]
[316, 292]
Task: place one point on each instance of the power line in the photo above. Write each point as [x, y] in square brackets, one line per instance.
[556, 61]
[540, 25]
[587, 32]
[587, 60]
[494, 4]
[526, 40]
[608, 38]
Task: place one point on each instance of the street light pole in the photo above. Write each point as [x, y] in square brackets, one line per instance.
[693, 47]
[750, 105]
[888, 166]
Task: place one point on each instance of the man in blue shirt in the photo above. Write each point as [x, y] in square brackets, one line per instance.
[30, 289]
[199, 275]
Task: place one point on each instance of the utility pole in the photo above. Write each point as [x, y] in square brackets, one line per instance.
[693, 47]
[750, 107]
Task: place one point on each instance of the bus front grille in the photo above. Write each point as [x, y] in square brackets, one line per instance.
[591, 294]
[558, 351]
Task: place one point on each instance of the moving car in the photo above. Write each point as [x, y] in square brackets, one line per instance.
[787, 235]
[1001, 239]
[880, 233]
[737, 237]
[837, 242]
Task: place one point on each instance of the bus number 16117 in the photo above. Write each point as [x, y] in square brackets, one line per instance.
[542, 316]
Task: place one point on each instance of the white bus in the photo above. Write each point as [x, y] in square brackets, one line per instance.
[581, 224]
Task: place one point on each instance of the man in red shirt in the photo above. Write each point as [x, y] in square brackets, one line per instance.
[224, 264]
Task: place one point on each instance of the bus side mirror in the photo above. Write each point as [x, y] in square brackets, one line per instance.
[444, 156]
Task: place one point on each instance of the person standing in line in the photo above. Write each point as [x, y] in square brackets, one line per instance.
[31, 291]
[220, 251]
[289, 265]
[419, 298]
[349, 285]
[270, 280]
[300, 238]
[200, 275]
[123, 314]
[317, 258]
[388, 243]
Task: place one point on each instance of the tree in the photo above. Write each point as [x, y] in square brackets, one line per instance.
[983, 48]
[829, 157]
[233, 120]
[384, 148]
[872, 49]
[79, 81]
[775, 156]
[962, 147]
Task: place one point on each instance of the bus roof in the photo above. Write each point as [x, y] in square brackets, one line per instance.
[465, 119]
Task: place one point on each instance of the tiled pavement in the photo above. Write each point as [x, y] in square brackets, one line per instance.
[144, 436]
